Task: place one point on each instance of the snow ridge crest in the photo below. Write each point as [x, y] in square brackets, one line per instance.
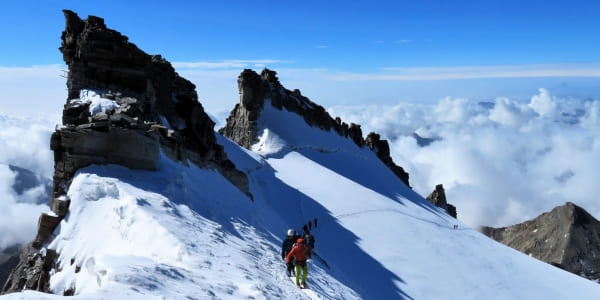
[242, 124]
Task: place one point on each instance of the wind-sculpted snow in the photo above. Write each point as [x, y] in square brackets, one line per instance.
[178, 232]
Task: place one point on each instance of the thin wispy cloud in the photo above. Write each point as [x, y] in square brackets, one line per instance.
[228, 64]
[404, 41]
[476, 72]
[321, 46]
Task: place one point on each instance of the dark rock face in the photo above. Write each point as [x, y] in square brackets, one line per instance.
[438, 198]
[9, 258]
[35, 266]
[242, 125]
[567, 237]
[151, 109]
[382, 149]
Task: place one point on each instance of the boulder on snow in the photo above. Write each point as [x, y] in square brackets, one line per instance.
[567, 237]
[438, 198]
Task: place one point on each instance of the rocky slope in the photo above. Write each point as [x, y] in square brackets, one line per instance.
[9, 257]
[567, 237]
[255, 89]
[123, 107]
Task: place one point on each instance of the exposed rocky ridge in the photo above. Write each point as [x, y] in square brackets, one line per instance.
[567, 237]
[9, 257]
[438, 198]
[254, 89]
[153, 110]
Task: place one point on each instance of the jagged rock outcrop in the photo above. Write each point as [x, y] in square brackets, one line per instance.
[9, 258]
[438, 198]
[382, 149]
[123, 107]
[567, 237]
[242, 126]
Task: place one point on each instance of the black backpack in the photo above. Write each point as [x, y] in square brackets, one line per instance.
[310, 240]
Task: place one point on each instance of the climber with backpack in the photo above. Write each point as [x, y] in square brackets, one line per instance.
[309, 239]
[299, 252]
[286, 247]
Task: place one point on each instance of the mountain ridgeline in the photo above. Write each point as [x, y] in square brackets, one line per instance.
[254, 89]
[567, 237]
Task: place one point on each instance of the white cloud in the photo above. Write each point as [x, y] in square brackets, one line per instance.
[543, 104]
[24, 143]
[17, 219]
[501, 162]
[476, 72]
[509, 113]
[227, 64]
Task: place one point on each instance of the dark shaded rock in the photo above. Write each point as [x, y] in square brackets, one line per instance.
[32, 270]
[438, 198]
[567, 237]
[60, 205]
[9, 258]
[382, 149]
[242, 127]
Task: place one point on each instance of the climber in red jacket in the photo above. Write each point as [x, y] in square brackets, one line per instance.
[299, 252]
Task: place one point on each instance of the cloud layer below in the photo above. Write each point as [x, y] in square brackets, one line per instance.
[501, 162]
[25, 144]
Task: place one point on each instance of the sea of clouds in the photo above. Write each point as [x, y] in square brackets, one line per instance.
[501, 162]
[25, 143]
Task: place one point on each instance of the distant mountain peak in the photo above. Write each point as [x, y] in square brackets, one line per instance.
[567, 237]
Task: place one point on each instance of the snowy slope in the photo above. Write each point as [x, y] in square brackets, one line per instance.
[187, 232]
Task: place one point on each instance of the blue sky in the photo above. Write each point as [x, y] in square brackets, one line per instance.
[343, 35]
[367, 51]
